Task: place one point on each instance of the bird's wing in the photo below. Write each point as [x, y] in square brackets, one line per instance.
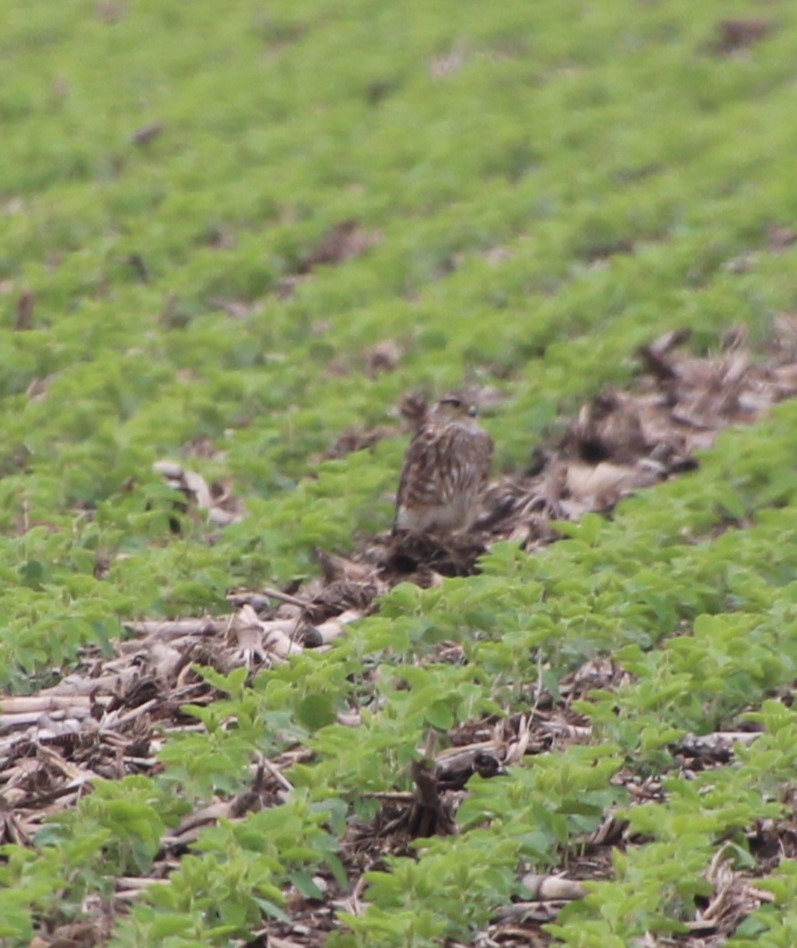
[486, 451]
[420, 483]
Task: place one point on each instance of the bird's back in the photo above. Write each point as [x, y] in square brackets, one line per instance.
[445, 469]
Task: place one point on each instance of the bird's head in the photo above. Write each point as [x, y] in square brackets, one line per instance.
[454, 407]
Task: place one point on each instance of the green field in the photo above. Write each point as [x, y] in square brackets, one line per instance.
[530, 191]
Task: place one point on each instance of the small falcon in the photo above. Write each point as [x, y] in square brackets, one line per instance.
[445, 470]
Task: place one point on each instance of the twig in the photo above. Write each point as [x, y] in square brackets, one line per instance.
[284, 597]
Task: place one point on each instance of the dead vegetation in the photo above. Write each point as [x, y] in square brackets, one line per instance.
[734, 35]
[109, 717]
[342, 242]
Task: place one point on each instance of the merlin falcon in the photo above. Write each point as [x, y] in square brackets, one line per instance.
[445, 470]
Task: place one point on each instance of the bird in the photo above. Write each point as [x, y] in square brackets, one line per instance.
[446, 467]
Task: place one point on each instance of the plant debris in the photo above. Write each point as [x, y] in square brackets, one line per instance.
[222, 507]
[344, 241]
[110, 716]
[147, 133]
[738, 34]
[25, 307]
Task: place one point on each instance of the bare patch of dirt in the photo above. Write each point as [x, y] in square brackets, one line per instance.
[343, 241]
[147, 133]
[25, 306]
[781, 238]
[358, 439]
[383, 357]
[740, 34]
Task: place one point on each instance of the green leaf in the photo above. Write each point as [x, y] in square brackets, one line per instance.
[315, 711]
[439, 715]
